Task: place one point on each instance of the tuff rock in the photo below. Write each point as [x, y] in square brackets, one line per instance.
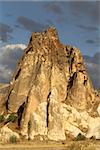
[6, 133]
[3, 96]
[52, 91]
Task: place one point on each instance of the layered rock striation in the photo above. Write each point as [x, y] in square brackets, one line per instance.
[52, 90]
[4, 88]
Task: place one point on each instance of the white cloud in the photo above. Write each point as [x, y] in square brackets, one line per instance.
[9, 56]
[12, 46]
[91, 65]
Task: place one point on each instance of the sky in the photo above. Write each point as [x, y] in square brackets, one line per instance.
[77, 22]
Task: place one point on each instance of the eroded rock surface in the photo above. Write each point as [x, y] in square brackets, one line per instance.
[6, 134]
[63, 120]
[4, 89]
[52, 86]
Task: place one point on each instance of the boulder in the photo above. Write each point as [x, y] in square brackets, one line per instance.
[6, 134]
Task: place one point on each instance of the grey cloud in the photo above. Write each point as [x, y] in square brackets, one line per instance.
[95, 13]
[17, 26]
[88, 28]
[95, 59]
[5, 31]
[9, 15]
[31, 25]
[98, 39]
[93, 67]
[5, 74]
[54, 7]
[95, 41]
[9, 57]
[78, 10]
[90, 41]
[94, 72]
[89, 9]
[57, 9]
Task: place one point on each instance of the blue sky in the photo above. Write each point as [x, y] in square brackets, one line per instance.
[77, 22]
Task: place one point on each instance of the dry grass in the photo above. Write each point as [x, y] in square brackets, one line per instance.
[81, 146]
[51, 145]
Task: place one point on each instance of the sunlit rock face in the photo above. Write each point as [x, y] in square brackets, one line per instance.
[4, 88]
[52, 86]
[6, 134]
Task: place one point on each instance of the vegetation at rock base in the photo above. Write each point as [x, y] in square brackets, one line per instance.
[80, 146]
[80, 137]
[2, 118]
[12, 118]
[13, 139]
[29, 125]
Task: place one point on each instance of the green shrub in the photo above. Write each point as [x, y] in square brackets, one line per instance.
[80, 137]
[2, 118]
[29, 128]
[13, 139]
[12, 118]
[29, 125]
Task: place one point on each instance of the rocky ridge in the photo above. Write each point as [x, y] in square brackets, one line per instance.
[51, 89]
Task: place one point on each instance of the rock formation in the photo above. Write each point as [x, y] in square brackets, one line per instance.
[51, 90]
[6, 134]
[3, 96]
